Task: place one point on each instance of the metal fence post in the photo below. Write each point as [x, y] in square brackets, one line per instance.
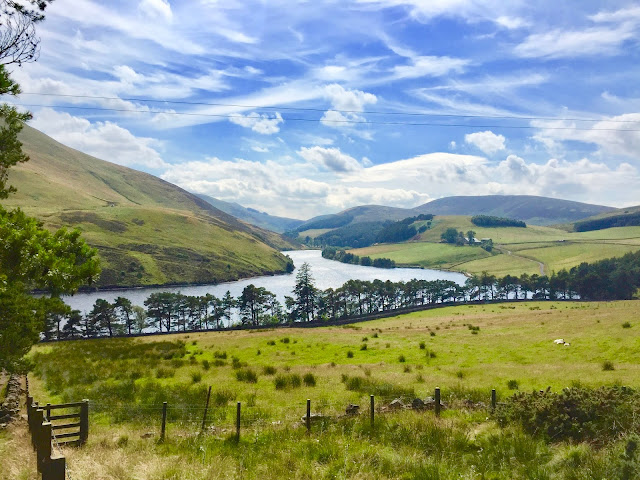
[437, 405]
[372, 411]
[163, 428]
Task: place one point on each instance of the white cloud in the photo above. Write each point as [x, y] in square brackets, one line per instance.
[350, 100]
[259, 149]
[104, 140]
[156, 9]
[617, 135]
[486, 141]
[561, 43]
[430, 66]
[330, 158]
[264, 124]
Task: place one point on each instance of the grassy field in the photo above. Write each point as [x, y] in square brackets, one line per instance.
[553, 247]
[147, 231]
[273, 372]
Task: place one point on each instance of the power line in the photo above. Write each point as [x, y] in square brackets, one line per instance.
[309, 109]
[293, 119]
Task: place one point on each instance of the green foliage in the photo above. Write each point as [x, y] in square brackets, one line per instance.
[608, 366]
[289, 381]
[626, 325]
[579, 414]
[513, 385]
[247, 375]
[370, 386]
[450, 235]
[309, 379]
[269, 370]
[490, 221]
[626, 220]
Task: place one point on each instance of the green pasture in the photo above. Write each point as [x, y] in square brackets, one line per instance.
[405, 356]
[425, 254]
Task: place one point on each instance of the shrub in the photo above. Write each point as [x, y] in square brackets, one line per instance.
[271, 342]
[309, 379]
[365, 339]
[423, 345]
[349, 354]
[269, 370]
[433, 334]
[363, 346]
[513, 385]
[375, 335]
[177, 362]
[219, 363]
[431, 354]
[222, 355]
[246, 375]
[285, 382]
[607, 366]
[206, 365]
[626, 325]
[258, 352]
[577, 414]
[163, 372]
[373, 387]
[285, 340]
[402, 359]
[460, 374]
[407, 369]
[222, 397]
[196, 377]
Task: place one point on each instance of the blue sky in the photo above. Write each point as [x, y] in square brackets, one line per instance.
[304, 108]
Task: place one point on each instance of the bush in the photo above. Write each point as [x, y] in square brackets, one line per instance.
[433, 334]
[371, 386]
[626, 325]
[221, 355]
[163, 372]
[513, 385]
[423, 345]
[577, 414]
[285, 382]
[222, 397]
[607, 366]
[402, 359]
[269, 370]
[375, 335]
[285, 340]
[407, 369]
[271, 342]
[309, 379]
[363, 346]
[196, 377]
[206, 365]
[246, 375]
[349, 354]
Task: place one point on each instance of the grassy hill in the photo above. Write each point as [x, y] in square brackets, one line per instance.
[512, 350]
[531, 209]
[535, 249]
[147, 231]
[254, 217]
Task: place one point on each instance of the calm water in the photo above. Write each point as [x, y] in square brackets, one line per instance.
[327, 274]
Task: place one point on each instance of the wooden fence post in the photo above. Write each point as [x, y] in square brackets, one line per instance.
[493, 399]
[163, 428]
[238, 422]
[44, 445]
[372, 411]
[206, 409]
[84, 422]
[37, 418]
[47, 409]
[308, 417]
[29, 411]
[437, 405]
[54, 469]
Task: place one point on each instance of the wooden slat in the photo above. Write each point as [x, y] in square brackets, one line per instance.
[68, 435]
[65, 425]
[62, 417]
[65, 405]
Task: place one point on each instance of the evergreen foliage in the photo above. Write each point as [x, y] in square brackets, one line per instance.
[490, 221]
[626, 220]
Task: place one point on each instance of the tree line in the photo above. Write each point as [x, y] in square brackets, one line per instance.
[611, 279]
[341, 255]
[626, 220]
[491, 221]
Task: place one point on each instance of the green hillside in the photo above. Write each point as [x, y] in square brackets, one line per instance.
[532, 250]
[147, 231]
[531, 209]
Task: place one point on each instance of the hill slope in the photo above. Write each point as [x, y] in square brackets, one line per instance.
[351, 216]
[529, 208]
[147, 231]
[254, 217]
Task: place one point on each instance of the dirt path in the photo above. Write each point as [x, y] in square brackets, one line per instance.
[508, 252]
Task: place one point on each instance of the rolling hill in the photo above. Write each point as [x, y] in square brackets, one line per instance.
[147, 231]
[254, 217]
[531, 209]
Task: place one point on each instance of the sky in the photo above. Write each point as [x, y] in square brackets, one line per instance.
[302, 108]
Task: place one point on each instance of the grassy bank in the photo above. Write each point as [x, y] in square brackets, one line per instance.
[273, 372]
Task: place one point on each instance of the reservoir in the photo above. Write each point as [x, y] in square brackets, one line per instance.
[326, 273]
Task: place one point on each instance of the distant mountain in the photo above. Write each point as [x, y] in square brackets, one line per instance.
[147, 231]
[365, 213]
[254, 217]
[530, 209]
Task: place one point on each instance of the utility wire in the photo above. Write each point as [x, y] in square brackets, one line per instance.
[308, 109]
[293, 119]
